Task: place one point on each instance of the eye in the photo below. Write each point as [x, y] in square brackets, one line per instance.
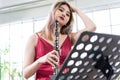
[60, 9]
[68, 14]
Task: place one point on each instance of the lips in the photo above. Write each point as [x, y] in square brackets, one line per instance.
[61, 18]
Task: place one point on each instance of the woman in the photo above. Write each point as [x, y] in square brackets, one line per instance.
[40, 55]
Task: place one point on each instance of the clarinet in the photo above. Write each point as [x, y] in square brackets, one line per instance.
[56, 47]
[56, 44]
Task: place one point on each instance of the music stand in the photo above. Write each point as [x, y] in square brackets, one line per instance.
[94, 56]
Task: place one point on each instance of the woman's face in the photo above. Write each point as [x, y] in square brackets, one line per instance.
[62, 14]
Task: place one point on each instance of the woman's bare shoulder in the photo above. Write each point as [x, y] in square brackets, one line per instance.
[33, 38]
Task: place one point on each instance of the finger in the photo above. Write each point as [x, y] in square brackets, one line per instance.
[50, 62]
[56, 53]
[53, 61]
[55, 57]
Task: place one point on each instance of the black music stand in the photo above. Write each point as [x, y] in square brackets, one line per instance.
[94, 56]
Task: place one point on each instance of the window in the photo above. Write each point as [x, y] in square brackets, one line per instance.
[14, 36]
[13, 40]
[39, 24]
[102, 18]
[115, 16]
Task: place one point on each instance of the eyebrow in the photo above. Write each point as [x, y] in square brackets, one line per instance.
[64, 9]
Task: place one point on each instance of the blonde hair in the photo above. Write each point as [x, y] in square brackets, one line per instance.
[48, 30]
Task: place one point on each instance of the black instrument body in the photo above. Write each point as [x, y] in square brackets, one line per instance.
[56, 47]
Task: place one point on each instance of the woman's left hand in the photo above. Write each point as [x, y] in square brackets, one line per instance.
[74, 9]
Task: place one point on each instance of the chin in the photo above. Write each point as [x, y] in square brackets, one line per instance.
[61, 23]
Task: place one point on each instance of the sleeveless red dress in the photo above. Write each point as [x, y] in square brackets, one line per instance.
[42, 48]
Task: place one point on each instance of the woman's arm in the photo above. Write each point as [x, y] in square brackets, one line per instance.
[30, 67]
[89, 24]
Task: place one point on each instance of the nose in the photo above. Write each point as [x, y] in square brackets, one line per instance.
[63, 14]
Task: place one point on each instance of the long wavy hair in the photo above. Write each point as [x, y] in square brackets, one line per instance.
[48, 30]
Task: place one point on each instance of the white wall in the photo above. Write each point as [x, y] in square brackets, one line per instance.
[24, 14]
[24, 11]
[36, 8]
[6, 3]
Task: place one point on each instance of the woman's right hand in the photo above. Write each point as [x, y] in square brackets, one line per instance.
[51, 58]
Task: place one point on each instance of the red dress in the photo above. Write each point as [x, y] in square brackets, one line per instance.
[42, 48]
